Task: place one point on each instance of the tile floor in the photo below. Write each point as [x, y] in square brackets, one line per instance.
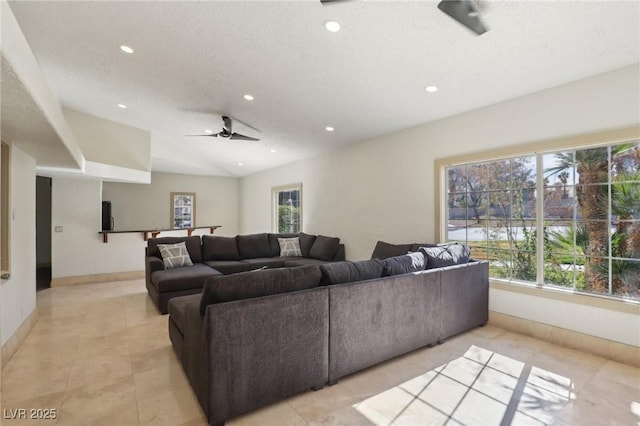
[100, 355]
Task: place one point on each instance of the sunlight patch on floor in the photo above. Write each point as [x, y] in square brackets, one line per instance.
[480, 387]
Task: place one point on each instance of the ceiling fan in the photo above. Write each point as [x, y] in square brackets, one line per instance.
[228, 133]
[463, 11]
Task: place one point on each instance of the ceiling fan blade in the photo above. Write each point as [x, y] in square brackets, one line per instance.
[332, 1]
[227, 123]
[215, 135]
[465, 12]
[238, 136]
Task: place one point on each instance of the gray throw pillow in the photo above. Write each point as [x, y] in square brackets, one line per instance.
[290, 247]
[174, 255]
[346, 272]
[324, 248]
[446, 255]
[397, 265]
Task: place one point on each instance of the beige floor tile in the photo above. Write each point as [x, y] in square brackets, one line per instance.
[348, 416]
[177, 405]
[104, 395]
[157, 380]
[272, 415]
[149, 360]
[603, 401]
[621, 373]
[93, 370]
[119, 415]
[314, 404]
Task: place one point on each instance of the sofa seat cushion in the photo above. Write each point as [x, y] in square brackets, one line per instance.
[183, 278]
[177, 308]
[253, 245]
[405, 264]
[302, 261]
[269, 262]
[346, 272]
[253, 284]
[230, 266]
[324, 248]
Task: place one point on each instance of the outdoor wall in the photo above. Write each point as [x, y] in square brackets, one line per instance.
[139, 206]
[19, 292]
[383, 189]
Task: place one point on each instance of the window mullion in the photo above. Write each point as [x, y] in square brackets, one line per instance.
[540, 220]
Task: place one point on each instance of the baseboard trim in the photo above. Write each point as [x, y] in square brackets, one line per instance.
[9, 349]
[615, 351]
[96, 278]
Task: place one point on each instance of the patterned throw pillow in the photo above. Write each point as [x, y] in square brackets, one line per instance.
[174, 255]
[290, 247]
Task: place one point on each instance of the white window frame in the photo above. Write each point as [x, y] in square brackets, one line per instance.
[274, 204]
[618, 136]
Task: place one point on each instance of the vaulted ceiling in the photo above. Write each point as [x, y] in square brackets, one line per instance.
[194, 61]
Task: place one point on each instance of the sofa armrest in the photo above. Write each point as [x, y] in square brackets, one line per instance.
[340, 254]
[152, 264]
[262, 350]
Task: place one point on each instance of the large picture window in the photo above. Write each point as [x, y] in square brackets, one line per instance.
[567, 218]
[287, 208]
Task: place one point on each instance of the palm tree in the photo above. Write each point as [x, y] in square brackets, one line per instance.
[592, 166]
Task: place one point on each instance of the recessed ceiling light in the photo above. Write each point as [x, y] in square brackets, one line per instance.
[123, 106]
[332, 26]
[248, 97]
[272, 150]
[431, 89]
[126, 49]
[240, 164]
[209, 131]
[329, 129]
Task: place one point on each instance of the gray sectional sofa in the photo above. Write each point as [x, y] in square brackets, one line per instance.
[254, 338]
[214, 255]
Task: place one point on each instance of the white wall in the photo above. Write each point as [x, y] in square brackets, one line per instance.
[138, 206]
[78, 249]
[76, 206]
[19, 292]
[383, 189]
[108, 142]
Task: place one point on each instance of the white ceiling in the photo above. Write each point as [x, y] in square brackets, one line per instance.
[194, 61]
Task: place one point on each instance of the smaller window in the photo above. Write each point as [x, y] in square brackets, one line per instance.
[183, 210]
[287, 208]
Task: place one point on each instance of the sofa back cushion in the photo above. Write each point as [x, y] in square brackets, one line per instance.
[346, 272]
[324, 248]
[264, 282]
[219, 248]
[446, 255]
[192, 243]
[274, 245]
[253, 245]
[407, 263]
[306, 242]
[416, 246]
[384, 250]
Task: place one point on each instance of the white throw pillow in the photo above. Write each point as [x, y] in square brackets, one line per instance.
[290, 247]
[174, 255]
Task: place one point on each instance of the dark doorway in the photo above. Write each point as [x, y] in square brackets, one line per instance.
[43, 233]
